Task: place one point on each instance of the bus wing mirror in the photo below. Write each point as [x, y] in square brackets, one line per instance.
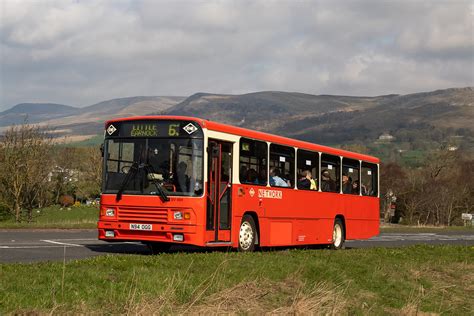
[102, 150]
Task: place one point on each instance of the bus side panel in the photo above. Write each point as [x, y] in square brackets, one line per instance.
[275, 232]
[286, 216]
[313, 231]
[311, 214]
[362, 217]
[297, 217]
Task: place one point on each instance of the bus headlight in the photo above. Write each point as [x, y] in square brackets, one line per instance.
[179, 215]
[110, 212]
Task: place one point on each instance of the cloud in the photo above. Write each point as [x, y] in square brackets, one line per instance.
[82, 52]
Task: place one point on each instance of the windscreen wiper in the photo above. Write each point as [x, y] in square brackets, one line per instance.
[149, 170]
[131, 173]
[134, 169]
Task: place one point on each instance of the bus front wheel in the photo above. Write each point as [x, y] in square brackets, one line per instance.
[338, 235]
[247, 234]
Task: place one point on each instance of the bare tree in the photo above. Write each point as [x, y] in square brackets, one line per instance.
[90, 167]
[64, 177]
[25, 161]
[438, 192]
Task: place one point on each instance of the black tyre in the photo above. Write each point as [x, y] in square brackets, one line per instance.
[338, 234]
[158, 247]
[247, 234]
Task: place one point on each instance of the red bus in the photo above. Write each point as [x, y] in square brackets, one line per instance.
[183, 180]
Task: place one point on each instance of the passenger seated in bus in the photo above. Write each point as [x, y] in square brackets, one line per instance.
[243, 173]
[355, 188]
[182, 179]
[252, 176]
[346, 184]
[262, 176]
[327, 184]
[364, 189]
[276, 179]
[306, 182]
[272, 172]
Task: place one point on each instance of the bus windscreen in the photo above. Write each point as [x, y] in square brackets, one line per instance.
[174, 162]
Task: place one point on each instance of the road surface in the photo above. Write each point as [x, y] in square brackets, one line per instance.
[55, 245]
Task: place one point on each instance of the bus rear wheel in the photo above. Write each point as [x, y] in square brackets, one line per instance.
[338, 235]
[247, 234]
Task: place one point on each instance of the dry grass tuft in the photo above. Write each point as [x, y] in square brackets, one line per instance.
[323, 299]
[255, 298]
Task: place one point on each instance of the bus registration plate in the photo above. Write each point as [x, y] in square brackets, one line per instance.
[141, 227]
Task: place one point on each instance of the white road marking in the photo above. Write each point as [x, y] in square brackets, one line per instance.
[29, 247]
[57, 244]
[76, 239]
[61, 243]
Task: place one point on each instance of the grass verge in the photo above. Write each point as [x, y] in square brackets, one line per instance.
[57, 217]
[431, 279]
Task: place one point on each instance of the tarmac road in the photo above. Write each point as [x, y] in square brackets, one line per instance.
[55, 245]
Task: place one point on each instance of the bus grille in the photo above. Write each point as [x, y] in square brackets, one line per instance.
[150, 215]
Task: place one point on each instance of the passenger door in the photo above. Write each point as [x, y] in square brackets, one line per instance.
[219, 191]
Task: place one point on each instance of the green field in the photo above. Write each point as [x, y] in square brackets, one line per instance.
[58, 217]
[431, 279]
[91, 142]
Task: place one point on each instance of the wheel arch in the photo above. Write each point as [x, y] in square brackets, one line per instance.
[257, 224]
[343, 220]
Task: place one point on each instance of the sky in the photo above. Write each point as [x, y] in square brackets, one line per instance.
[81, 52]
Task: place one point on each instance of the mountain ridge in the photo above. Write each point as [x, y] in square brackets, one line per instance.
[34, 112]
[325, 119]
[69, 120]
[329, 119]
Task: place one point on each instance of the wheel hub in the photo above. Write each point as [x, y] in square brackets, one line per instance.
[337, 235]
[245, 235]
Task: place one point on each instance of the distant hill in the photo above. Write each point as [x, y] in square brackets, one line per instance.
[91, 119]
[268, 110]
[34, 112]
[418, 118]
[331, 119]
[131, 105]
[88, 121]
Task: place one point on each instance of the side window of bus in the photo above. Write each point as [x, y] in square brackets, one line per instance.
[350, 176]
[307, 167]
[330, 173]
[253, 162]
[369, 179]
[282, 166]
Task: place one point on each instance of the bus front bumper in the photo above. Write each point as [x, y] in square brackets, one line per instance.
[152, 232]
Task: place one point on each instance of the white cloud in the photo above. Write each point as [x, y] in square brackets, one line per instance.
[81, 52]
